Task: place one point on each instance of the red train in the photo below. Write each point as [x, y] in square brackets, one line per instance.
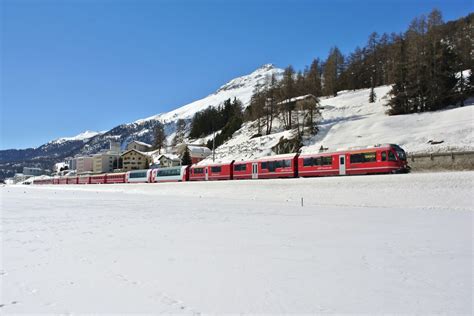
[388, 158]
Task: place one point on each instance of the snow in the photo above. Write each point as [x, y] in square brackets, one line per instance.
[241, 87]
[82, 136]
[368, 244]
[350, 120]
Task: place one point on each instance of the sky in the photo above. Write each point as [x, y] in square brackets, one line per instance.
[74, 65]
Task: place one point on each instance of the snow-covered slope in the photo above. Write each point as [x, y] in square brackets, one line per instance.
[82, 136]
[349, 120]
[241, 88]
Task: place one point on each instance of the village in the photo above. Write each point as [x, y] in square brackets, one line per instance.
[136, 155]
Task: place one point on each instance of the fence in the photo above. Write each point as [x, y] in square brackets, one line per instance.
[463, 160]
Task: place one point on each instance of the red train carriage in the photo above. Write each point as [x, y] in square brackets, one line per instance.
[43, 181]
[62, 180]
[280, 166]
[85, 179]
[223, 171]
[72, 180]
[98, 179]
[371, 160]
[115, 178]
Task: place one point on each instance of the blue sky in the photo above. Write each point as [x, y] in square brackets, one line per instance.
[69, 66]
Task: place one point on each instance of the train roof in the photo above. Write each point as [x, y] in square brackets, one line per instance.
[274, 157]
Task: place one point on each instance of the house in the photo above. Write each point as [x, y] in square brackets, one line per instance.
[135, 160]
[140, 146]
[197, 152]
[168, 160]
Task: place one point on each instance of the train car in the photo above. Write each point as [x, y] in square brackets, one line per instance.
[62, 180]
[138, 176]
[170, 174]
[84, 179]
[72, 179]
[279, 166]
[98, 179]
[223, 171]
[43, 181]
[387, 158]
[116, 177]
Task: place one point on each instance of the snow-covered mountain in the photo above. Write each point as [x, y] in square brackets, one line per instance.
[90, 142]
[241, 88]
[84, 136]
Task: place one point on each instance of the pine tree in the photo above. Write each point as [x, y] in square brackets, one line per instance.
[333, 69]
[186, 159]
[399, 102]
[313, 79]
[372, 95]
[160, 137]
[288, 89]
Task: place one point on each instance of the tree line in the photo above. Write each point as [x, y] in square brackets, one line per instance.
[424, 64]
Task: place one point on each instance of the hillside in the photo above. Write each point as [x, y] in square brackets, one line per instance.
[349, 120]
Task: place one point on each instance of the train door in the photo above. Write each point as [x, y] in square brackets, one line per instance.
[206, 173]
[255, 170]
[342, 165]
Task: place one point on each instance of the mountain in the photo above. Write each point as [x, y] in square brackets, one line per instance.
[89, 142]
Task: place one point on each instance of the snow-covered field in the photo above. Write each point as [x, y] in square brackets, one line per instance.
[368, 244]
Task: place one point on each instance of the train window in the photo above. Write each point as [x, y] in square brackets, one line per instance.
[391, 156]
[325, 161]
[169, 172]
[341, 161]
[198, 171]
[384, 156]
[287, 163]
[242, 167]
[216, 169]
[307, 162]
[272, 165]
[263, 165]
[363, 157]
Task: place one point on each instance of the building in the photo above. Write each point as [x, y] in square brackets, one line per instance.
[114, 147]
[72, 163]
[105, 162]
[168, 160]
[84, 164]
[196, 152]
[27, 171]
[135, 160]
[140, 146]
